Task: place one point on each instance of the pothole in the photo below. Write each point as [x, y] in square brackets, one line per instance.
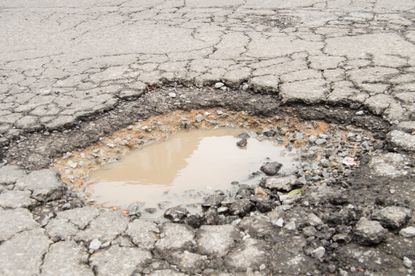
[186, 164]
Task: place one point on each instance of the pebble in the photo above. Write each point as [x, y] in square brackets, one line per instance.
[242, 143]
[369, 232]
[279, 222]
[408, 232]
[219, 85]
[318, 252]
[95, 245]
[172, 95]
[407, 262]
[271, 168]
[199, 118]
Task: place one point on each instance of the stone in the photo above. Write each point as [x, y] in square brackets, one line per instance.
[318, 253]
[242, 143]
[281, 183]
[10, 174]
[250, 255]
[143, 233]
[176, 214]
[369, 232]
[393, 217]
[22, 254]
[213, 200]
[402, 140]
[219, 85]
[44, 185]
[13, 221]
[408, 232]
[16, 199]
[105, 227]
[134, 209]
[407, 262]
[216, 240]
[81, 217]
[174, 237]
[199, 118]
[241, 207]
[118, 260]
[271, 168]
[66, 258]
[166, 272]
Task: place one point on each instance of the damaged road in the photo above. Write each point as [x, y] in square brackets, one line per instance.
[73, 73]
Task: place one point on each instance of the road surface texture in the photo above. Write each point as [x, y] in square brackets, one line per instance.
[72, 71]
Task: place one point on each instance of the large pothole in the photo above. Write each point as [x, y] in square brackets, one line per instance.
[182, 163]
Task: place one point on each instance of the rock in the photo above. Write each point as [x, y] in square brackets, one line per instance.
[172, 95]
[282, 183]
[279, 222]
[314, 220]
[318, 253]
[242, 143]
[199, 118]
[119, 260]
[407, 262]
[369, 232]
[22, 254]
[16, 199]
[66, 258]
[270, 133]
[44, 185]
[176, 214]
[241, 207]
[10, 174]
[213, 200]
[174, 237]
[143, 233]
[408, 232]
[402, 140]
[13, 221]
[271, 168]
[134, 209]
[243, 135]
[94, 245]
[219, 85]
[194, 220]
[216, 240]
[393, 217]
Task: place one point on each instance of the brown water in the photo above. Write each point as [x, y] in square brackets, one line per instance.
[199, 161]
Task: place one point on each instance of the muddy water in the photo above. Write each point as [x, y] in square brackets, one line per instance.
[184, 167]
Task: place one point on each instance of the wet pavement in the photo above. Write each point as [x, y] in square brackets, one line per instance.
[72, 73]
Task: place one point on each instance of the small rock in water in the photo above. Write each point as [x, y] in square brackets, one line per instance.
[271, 168]
[134, 209]
[408, 232]
[369, 232]
[242, 143]
[176, 214]
[243, 135]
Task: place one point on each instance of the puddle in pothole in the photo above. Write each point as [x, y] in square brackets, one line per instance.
[185, 167]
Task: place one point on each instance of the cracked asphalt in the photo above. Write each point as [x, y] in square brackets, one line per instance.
[64, 63]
